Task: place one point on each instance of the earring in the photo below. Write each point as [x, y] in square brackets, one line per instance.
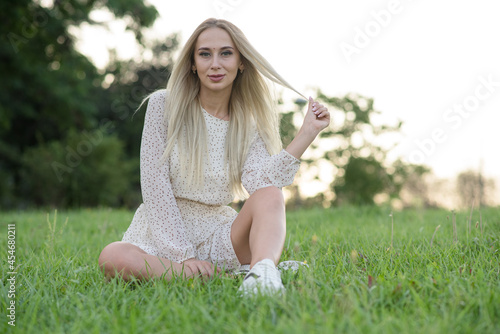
[194, 71]
[241, 70]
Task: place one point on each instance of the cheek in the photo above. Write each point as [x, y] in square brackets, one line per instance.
[235, 64]
[201, 63]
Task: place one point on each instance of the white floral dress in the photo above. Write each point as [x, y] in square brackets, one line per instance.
[176, 222]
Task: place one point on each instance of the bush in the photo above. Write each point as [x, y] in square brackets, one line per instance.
[85, 169]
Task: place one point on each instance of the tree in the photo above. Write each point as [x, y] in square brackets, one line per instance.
[474, 189]
[362, 170]
[48, 88]
[132, 82]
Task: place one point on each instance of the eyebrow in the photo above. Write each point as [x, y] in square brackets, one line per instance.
[224, 47]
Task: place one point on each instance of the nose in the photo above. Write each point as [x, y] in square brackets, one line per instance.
[215, 63]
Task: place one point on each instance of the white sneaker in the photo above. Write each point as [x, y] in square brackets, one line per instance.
[242, 270]
[263, 278]
[292, 266]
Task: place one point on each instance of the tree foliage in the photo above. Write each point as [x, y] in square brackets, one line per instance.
[51, 94]
[86, 169]
[362, 169]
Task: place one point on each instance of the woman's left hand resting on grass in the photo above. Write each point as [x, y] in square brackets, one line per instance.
[197, 268]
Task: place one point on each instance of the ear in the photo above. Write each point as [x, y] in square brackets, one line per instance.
[241, 67]
[193, 68]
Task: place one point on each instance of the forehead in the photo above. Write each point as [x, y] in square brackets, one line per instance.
[214, 38]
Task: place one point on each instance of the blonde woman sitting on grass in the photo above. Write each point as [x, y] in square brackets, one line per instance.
[211, 135]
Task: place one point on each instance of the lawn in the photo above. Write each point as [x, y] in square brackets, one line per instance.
[426, 282]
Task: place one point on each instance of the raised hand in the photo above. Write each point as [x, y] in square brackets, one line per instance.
[317, 118]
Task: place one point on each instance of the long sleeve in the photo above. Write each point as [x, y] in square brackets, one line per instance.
[163, 215]
[262, 170]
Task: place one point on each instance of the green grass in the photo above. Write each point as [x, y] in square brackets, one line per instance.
[356, 282]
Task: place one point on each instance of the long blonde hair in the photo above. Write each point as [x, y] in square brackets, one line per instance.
[250, 107]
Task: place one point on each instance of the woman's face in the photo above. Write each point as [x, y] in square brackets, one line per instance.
[216, 60]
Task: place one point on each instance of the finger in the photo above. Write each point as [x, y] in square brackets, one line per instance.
[319, 110]
[199, 269]
[323, 113]
[317, 107]
[195, 270]
[214, 268]
[310, 105]
[188, 271]
[208, 272]
[206, 269]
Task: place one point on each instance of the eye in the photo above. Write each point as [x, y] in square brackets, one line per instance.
[204, 54]
[226, 53]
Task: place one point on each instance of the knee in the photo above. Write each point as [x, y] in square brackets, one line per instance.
[112, 258]
[271, 197]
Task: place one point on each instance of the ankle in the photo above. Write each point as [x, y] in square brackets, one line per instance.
[268, 261]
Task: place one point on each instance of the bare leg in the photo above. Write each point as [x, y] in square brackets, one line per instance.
[129, 261]
[259, 230]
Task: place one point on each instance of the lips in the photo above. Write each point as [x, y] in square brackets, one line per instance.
[216, 77]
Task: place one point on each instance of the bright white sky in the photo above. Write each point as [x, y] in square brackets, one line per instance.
[423, 63]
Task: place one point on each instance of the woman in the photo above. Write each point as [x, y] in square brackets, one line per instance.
[210, 135]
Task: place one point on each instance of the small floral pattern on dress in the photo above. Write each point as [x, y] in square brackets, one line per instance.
[177, 222]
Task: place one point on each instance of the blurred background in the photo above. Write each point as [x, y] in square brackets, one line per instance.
[413, 86]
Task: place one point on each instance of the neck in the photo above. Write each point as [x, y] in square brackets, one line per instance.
[215, 103]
